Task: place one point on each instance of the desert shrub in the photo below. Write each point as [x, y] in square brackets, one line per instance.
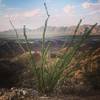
[49, 76]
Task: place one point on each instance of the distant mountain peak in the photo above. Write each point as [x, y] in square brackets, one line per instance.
[51, 31]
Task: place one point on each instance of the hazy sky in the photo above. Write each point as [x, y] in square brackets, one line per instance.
[63, 12]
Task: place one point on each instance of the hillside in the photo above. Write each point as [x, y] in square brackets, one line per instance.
[51, 31]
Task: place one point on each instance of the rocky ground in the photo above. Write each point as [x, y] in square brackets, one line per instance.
[17, 83]
[30, 94]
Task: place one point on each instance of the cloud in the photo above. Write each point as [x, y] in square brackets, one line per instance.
[91, 6]
[69, 9]
[31, 18]
[92, 12]
[31, 13]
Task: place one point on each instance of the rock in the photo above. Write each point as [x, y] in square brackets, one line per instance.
[24, 92]
[19, 94]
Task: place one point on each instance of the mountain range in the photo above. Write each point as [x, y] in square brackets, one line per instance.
[51, 32]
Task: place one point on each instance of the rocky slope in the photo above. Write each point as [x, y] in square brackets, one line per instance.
[51, 31]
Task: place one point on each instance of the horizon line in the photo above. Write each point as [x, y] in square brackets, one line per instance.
[48, 26]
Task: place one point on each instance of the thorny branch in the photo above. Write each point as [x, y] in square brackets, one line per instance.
[46, 22]
[43, 44]
[17, 36]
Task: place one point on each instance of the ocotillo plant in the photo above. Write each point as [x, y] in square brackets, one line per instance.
[47, 79]
[49, 75]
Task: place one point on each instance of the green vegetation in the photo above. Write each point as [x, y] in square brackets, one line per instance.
[49, 76]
